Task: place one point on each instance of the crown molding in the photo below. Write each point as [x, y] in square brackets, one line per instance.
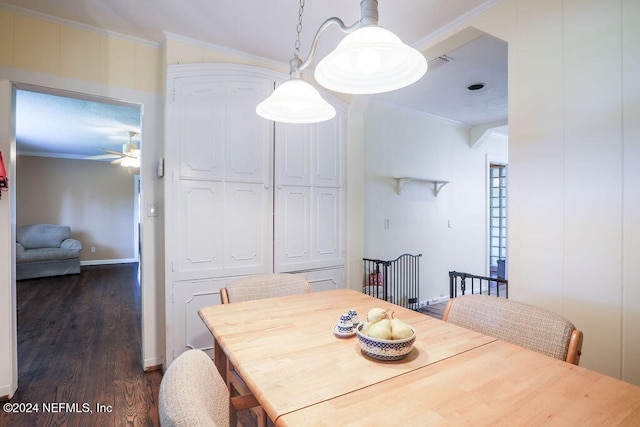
[234, 52]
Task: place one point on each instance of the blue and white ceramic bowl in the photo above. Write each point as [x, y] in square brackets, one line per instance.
[385, 349]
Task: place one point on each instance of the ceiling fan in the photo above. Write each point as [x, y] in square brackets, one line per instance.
[129, 157]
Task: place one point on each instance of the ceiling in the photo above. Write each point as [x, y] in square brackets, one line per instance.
[50, 125]
[267, 29]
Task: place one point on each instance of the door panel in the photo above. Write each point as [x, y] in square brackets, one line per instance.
[327, 141]
[247, 135]
[327, 223]
[200, 223]
[200, 128]
[293, 219]
[247, 230]
[292, 164]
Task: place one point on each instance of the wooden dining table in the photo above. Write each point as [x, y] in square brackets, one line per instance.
[305, 375]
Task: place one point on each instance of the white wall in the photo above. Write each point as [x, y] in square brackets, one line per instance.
[574, 151]
[398, 143]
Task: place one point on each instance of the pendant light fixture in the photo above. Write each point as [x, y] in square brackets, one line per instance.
[369, 60]
[296, 101]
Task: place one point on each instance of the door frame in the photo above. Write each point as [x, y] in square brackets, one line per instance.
[151, 262]
[8, 316]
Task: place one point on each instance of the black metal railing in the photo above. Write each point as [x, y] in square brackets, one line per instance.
[396, 281]
[462, 283]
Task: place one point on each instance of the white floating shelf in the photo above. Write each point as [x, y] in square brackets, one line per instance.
[404, 180]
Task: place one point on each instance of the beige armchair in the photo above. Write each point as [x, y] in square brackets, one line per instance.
[525, 325]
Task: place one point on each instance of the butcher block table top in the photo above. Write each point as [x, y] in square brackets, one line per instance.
[303, 374]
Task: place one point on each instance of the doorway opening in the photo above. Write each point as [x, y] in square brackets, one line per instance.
[71, 169]
[69, 153]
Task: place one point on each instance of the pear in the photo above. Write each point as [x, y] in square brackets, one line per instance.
[376, 314]
[365, 327]
[400, 330]
[381, 330]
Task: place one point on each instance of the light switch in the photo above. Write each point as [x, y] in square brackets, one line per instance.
[153, 209]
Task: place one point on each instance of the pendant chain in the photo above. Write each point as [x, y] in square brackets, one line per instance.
[296, 53]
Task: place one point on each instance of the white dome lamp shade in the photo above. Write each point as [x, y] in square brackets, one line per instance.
[295, 101]
[370, 60]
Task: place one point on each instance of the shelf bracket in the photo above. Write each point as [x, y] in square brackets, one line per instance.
[404, 180]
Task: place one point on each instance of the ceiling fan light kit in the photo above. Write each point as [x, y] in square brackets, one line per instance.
[130, 162]
[369, 60]
[129, 158]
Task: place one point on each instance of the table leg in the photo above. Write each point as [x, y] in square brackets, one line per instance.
[220, 359]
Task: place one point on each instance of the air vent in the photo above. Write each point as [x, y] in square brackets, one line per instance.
[440, 60]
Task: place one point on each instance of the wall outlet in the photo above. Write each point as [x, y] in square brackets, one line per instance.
[93, 249]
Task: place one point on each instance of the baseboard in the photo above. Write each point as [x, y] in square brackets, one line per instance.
[432, 301]
[152, 364]
[108, 261]
[6, 393]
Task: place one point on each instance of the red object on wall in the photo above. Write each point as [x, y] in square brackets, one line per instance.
[4, 182]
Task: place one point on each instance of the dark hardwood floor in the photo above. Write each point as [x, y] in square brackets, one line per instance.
[79, 351]
[434, 310]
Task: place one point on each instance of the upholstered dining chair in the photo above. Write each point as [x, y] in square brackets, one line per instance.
[259, 286]
[193, 394]
[262, 286]
[522, 324]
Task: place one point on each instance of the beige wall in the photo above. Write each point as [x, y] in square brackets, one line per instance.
[96, 199]
[52, 55]
[32, 44]
[574, 147]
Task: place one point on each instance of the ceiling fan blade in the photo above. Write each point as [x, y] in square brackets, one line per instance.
[102, 156]
[112, 152]
[117, 161]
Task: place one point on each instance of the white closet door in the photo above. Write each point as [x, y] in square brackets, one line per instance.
[293, 155]
[198, 127]
[247, 139]
[309, 203]
[328, 152]
[221, 185]
[247, 229]
[199, 245]
[326, 218]
[292, 243]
